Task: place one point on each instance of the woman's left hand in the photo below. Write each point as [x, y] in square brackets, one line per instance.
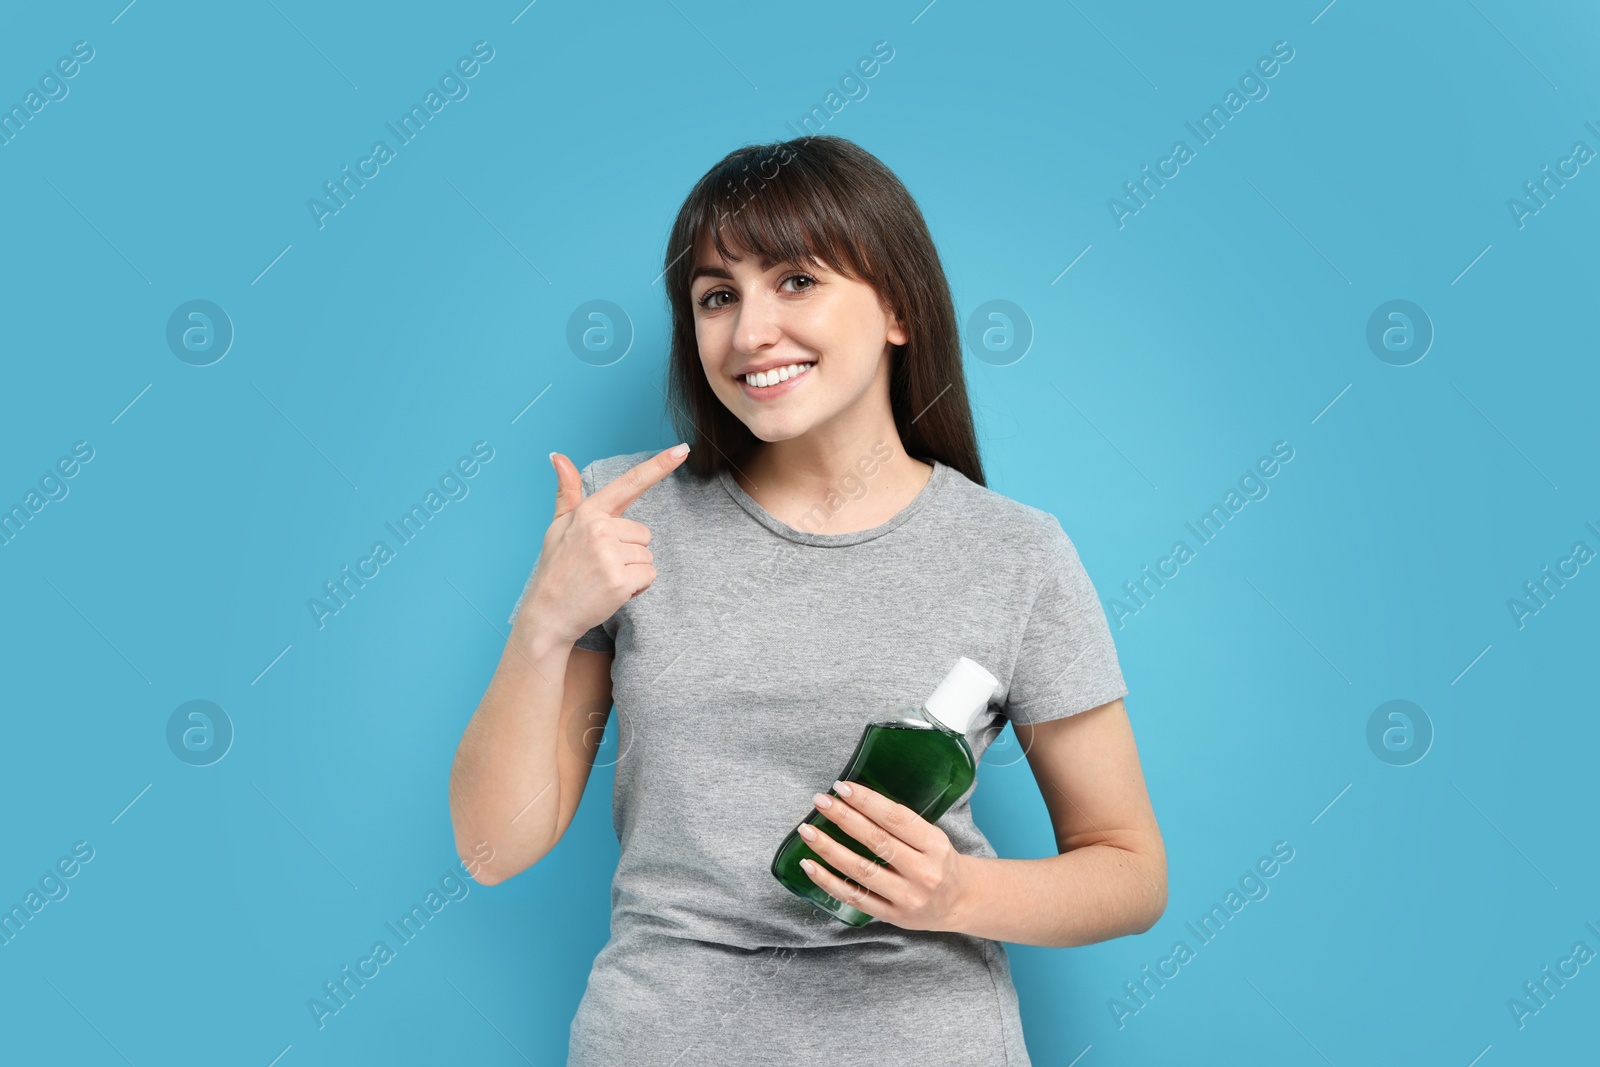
[922, 888]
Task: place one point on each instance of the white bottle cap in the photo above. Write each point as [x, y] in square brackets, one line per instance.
[965, 692]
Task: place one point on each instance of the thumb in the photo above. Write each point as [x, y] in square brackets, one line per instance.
[569, 484]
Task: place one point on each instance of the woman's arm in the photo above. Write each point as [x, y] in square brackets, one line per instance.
[1110, 878]
[525, 757]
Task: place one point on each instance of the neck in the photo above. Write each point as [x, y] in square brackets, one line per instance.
[851, 484]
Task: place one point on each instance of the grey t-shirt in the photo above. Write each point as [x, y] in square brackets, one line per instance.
[742, 680]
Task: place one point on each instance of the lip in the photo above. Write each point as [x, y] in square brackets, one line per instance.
[771, 364]
[772, 392]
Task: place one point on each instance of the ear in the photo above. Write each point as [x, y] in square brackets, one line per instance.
[896, 334]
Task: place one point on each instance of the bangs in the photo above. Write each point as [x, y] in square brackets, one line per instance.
[789, 217]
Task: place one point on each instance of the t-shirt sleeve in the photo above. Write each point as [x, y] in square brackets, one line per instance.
[595, 639]
[1066, 662]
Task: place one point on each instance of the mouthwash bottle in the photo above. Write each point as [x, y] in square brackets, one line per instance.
[919, 758]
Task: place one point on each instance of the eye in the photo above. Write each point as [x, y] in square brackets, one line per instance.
[707, 297]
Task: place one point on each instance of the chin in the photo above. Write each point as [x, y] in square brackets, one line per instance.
[770, 430]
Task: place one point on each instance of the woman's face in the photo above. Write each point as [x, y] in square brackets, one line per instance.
[830, 332]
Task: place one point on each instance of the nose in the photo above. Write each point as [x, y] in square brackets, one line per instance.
[756, 324]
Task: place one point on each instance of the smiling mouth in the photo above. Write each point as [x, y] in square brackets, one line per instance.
[765, 379]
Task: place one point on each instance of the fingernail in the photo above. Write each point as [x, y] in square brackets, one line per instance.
[808, 831]
[822, 800]
[842, 789]
[552, 459]
[678, 451]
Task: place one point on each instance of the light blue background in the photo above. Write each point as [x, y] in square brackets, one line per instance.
[1227, 315]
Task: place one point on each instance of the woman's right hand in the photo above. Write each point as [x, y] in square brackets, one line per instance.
[594, 560]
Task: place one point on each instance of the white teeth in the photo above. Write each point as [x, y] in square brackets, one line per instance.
[762, 379]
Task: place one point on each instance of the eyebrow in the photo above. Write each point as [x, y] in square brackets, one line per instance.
[709, 270]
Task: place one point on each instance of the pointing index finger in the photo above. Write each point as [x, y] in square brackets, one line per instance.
[617, 495]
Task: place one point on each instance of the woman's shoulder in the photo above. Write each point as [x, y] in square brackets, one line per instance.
[1009, 522]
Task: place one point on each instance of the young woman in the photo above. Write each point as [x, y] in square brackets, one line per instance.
[820, 555]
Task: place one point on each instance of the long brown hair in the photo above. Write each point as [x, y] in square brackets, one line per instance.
[822, 198]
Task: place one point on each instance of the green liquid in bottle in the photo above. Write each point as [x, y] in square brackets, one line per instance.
[914, 760]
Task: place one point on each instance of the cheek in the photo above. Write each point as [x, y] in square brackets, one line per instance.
[856, 328]
[705, 340]
[713, 358]
[854, 337]
[712, 335]
[720, 383]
